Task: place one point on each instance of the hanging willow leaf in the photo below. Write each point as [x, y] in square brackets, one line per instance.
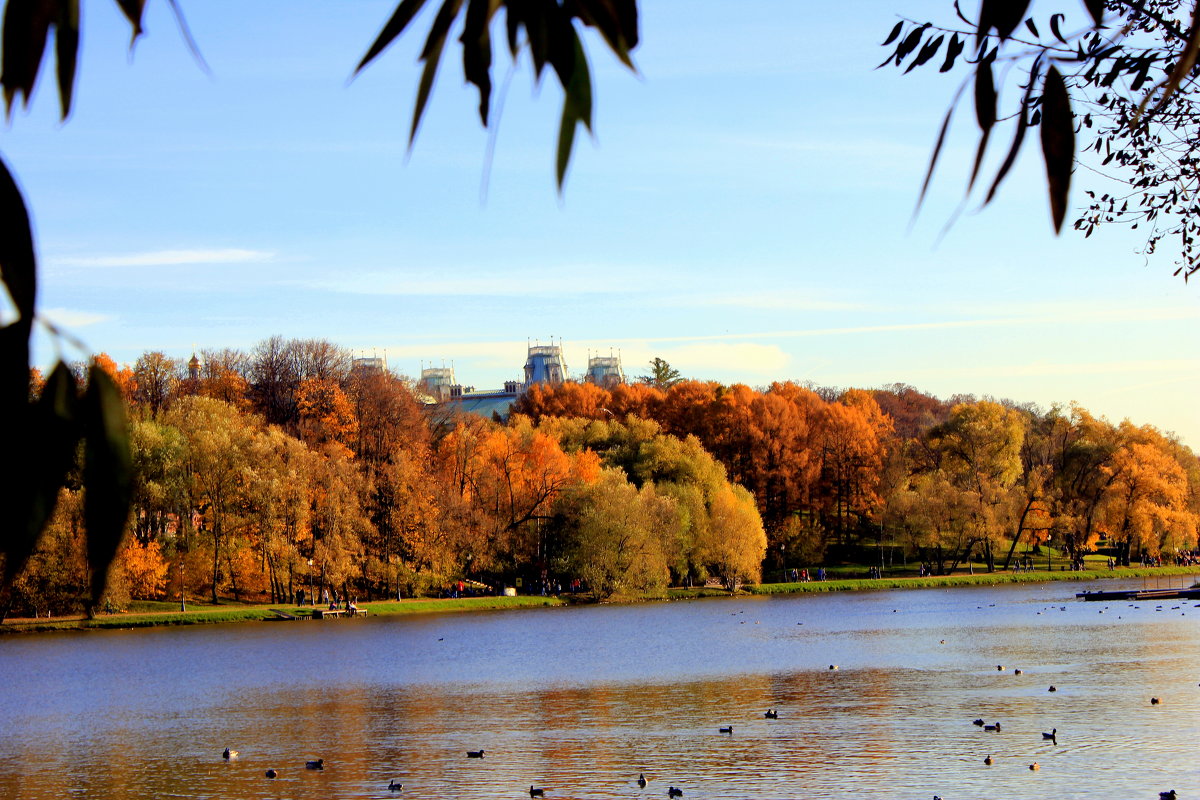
[892, 36]
[17, 266]
[985, 114]
[928, 51]
[1096, 9]
[132, 9]
[577, 108]
[1055, 21]
[431, 55]
[985, 96]
[953, 51]
[66, 51]
[910, 42]
[1019, 137]
[107, 474]
[1058, 143]
[1183, 68]
[1003, 15]
[26, 26]
[47, 453]
[933, 159]
[400, 18]
[617, 21]
[477, 52]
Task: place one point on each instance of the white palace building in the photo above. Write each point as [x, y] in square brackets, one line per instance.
[544, 363]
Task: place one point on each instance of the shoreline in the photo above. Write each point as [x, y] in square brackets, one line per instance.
[226, 613]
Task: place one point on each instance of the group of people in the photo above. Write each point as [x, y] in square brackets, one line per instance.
[347, 603]
[801, 576]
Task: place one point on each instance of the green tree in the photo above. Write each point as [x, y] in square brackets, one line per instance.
[619, 537]
[662, 376]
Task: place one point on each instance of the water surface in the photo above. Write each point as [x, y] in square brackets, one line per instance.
[582, 700]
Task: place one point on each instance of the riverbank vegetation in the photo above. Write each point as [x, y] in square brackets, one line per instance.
[286, 472]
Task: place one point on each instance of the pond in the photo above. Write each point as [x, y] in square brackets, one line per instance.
[581, 701]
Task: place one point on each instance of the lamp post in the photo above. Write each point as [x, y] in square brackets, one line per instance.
[182, 595]
[312, 598]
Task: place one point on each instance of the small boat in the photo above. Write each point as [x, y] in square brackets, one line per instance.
[771, 714]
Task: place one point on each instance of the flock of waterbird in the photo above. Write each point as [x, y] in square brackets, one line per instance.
[319, 764]
[1052, 736]
[771, 713]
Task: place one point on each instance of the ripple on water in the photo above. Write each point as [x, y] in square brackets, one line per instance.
[581, 701]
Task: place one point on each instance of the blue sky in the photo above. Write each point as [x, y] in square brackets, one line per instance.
[742, 211]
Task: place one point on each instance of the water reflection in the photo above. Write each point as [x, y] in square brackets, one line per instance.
[581, 701]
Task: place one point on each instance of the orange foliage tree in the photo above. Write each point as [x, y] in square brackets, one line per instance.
[326, 414]
[510, 477]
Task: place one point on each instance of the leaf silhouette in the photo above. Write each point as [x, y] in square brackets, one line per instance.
[577, 108]
[1058, 143]
[66, 51]
[107, 474]
[26, 26]
[399, 20]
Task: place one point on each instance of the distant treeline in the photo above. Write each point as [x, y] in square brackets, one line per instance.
[283, 468]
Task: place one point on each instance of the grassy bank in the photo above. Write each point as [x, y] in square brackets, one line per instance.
[144, 614]
[149, 614]
[1167, 577]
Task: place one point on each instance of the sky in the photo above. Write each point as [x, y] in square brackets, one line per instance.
[743, 209]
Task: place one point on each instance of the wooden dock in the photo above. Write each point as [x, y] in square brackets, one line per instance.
[319, 613]
[1191, 593]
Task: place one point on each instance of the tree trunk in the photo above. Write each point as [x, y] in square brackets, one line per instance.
[216, 559]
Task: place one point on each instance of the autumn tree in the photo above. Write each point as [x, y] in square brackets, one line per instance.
[389, 418]
[55, 579]
[566, 399]
[223, 377]
[850, 436]
[122, 375]
[1145, 508]
[513, 479]
[160, 480]
[619, 539]
[155, 377]
[273, 381]
[220, 467]
[280, 512]
[978, 450]
[326, 415]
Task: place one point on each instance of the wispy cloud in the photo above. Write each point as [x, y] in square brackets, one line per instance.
[168, 258]
[707, 358]
[784, 300]
[1184, 367]
[524, 284]
[73, 318]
